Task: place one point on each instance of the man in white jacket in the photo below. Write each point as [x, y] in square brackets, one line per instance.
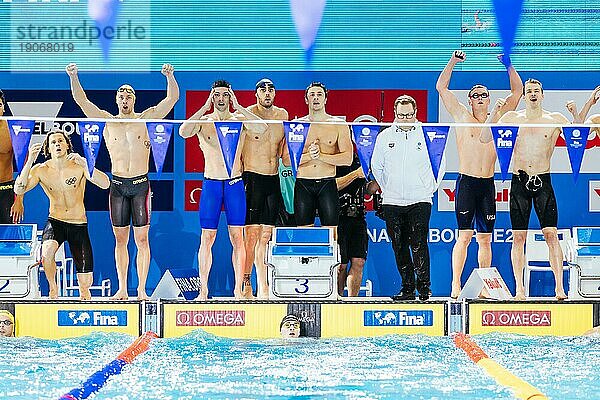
[402, 168]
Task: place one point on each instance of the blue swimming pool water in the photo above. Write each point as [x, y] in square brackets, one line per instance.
[201, 366]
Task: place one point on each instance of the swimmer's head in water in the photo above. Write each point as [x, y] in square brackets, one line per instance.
[479, 97]
[533, 92]
[7, 323]
[125, 99]
[315, 96]
[221, 95]
[290, 326]
[57, 144]
[265, 92]
[405, 109]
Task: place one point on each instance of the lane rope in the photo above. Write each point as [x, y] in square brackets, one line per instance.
[522, 389]
[99, 378]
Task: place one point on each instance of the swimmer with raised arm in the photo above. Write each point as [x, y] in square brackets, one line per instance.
[128, 145]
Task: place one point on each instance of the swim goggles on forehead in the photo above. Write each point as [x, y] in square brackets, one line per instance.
[126, 90]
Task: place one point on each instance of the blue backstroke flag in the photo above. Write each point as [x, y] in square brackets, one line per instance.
[504, 140]
[160, 135]
[91, 138]
[576, 138]
[228, 133]
[364, 137]
[435, 139]
[295, 136]
[20, 136]
[508, 14]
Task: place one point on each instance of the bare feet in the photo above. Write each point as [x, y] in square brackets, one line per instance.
[53, 294]
[143, 297]
[246, 291]
[202, 295]
[520, 296]
[455, 291]
[120, 295]
[85, 295]
[560, 296]
[238, 295]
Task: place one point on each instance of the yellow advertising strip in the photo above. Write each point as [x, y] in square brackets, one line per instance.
[522, 389]
[377, 319]
[232, 320]
[555, 319]
[67, 320]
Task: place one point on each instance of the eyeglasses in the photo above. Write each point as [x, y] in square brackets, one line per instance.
[405, 116]
[291, 325]
[480, 95]
[6, 322]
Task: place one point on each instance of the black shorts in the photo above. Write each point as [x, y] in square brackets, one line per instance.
[263, 198]
[352, 238]
[129, 201]
[79, 242]
[475, 204]
[538, 189]
[311, 195]
[7, 199]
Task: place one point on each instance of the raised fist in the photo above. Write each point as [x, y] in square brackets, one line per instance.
[459, 56]
[167, 70]
[72, 69]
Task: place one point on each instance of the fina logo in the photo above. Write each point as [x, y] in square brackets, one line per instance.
[91, 133]
[92, 318]
[296, 133]
[226, 130]
[505, 139]
[398, 318]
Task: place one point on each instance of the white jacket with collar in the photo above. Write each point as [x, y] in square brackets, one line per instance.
[401, 166]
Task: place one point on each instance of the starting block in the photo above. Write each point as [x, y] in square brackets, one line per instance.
[302, 264]
[485, 278]
[18, 264]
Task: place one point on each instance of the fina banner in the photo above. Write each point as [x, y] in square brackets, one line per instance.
[576, 138]
[229, 137]
[435, 139]
[508, 14]
[20, 136]
[160, 135]
[91, 138]
[295, 136]
[504, 140]
[364, 137]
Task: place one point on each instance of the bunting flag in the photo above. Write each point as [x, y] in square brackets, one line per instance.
[504, 140]
[508, 14]
[435, 139]
[295, 136]
[364, 137]
[20, 136]
[91, 138]
[104, 13]
[576, 138]
[307, 15]
[228, 133]
[160, 136]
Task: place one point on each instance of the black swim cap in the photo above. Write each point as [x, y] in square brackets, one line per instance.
[289, 318]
